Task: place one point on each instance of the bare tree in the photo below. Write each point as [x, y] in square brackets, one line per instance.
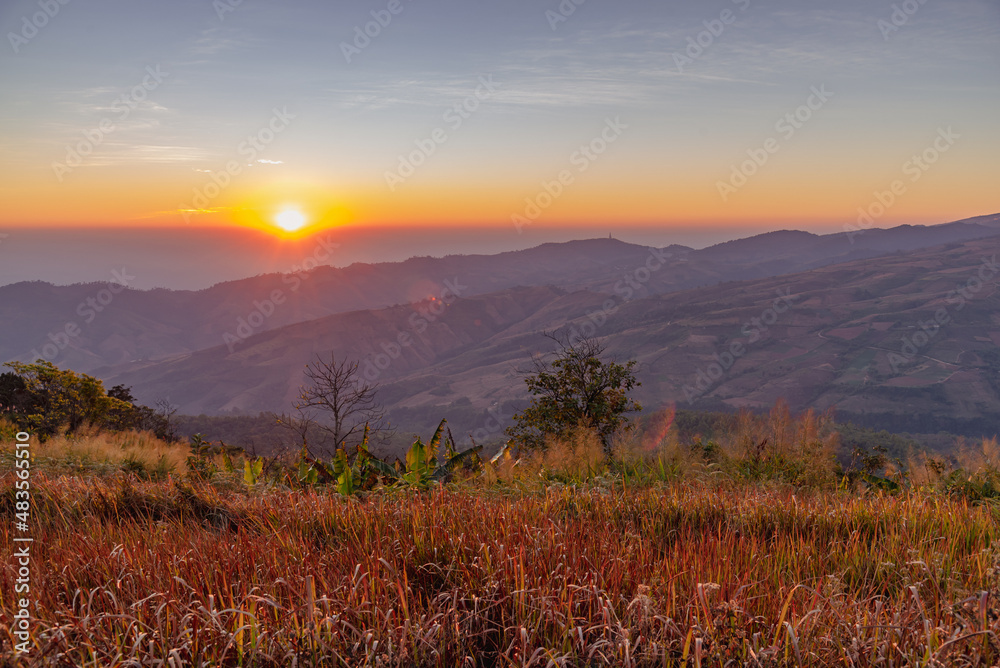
[165, 412]
[302, 424]
[348, 400]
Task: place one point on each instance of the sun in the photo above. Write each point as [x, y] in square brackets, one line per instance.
[290, 220]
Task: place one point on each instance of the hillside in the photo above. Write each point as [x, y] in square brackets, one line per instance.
[265, 371]
[832, 337]
[134, 326]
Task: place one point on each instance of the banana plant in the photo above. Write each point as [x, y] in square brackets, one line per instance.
[341, 471]
[422, 466]
[227, 463]
[202, 456]
[253, 471]
[307, 473]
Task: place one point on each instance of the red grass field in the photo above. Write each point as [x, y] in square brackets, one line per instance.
[704, 574]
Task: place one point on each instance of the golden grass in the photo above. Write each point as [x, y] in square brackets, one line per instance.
[577, 457]
[799, 450]
[104, 450]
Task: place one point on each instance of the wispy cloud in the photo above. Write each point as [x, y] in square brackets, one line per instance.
[213, 41]
[119, 153]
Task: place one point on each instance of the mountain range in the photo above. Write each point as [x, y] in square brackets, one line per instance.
[891, 328]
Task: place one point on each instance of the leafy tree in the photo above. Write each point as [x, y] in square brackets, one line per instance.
[577, 389]
[52, 399]
[125, 414]
[122, 393]
[14, 394]
[45, 400]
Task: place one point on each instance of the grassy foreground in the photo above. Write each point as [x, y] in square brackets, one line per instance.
[687, 573]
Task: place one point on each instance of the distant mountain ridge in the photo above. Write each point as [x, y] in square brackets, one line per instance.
[74, 327]
[907, 340]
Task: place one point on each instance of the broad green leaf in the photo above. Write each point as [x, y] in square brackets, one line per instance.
[340, 462]
[345, 483]
[307, 473]
[384, 469]
[435, 444]
[416, 458]
[455, 461]
[252, 470]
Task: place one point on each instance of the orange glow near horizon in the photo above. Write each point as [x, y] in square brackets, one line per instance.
[286, 221]
[160, 197]
[589, 128]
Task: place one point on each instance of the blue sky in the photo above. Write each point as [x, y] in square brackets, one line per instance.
[556, 86]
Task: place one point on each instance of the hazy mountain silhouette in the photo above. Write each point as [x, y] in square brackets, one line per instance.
[846, 336]
[86, 328]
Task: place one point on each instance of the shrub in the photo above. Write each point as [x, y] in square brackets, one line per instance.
[576, 389]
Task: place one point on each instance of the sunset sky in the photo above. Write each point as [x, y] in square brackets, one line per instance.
[121, 113]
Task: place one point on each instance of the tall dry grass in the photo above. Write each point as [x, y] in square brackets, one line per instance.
[678, 556]
[132, 573]
[575, 457]
[970, 470]
[92, 450]
[780, 447]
